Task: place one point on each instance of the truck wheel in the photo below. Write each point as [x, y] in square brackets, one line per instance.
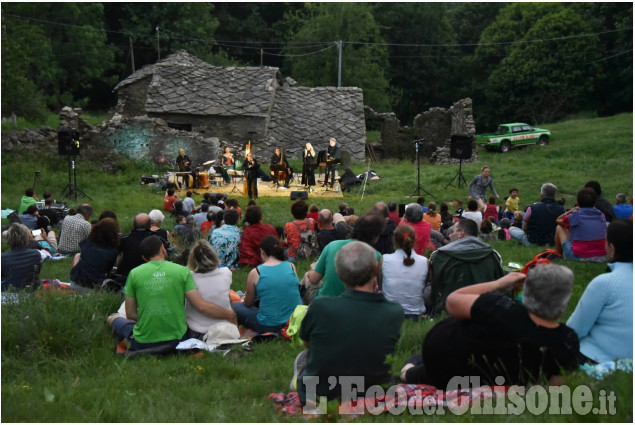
[505, 147]
[543, 141]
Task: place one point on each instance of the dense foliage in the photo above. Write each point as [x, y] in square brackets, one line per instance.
[534, 62]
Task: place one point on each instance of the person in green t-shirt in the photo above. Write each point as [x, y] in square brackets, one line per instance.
[367, 229]
[155, 300]
[27, 200]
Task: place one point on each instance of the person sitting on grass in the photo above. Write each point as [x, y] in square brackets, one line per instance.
[348, 335]
[490, 335]
[272, 290]
[225, 240]
[156, 219]
[21, 264]
[413, 217]
[27, 200]
[46, 238]
[487, 231]
[252, 235]
[581, 231]
[213, 283]
[432, 217]
[97, 256]
[473, 212]
[293, 230]
[155, 295]
[30, 216]
[603, 318]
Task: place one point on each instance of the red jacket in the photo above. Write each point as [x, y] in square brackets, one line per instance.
[249, 249]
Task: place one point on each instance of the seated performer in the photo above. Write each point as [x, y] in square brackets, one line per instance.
[279, 164]
[308, 167]
[185, 164]
[333, 154]
[228, 163]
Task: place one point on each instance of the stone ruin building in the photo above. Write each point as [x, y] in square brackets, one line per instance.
[183, 102]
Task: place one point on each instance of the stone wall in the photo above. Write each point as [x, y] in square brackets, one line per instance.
[131, 99]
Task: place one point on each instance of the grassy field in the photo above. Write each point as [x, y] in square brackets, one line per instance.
[57, 352]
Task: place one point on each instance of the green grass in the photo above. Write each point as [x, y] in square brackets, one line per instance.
[57, 352]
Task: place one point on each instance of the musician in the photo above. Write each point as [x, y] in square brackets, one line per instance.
[228, 163]
[185, 164]
[250, 169]
[308, 166]
[279, 163]
[333, 154]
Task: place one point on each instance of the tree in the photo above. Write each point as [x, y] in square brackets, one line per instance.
[420, 77]
[363, 65]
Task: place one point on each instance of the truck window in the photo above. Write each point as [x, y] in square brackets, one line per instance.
[502, 129]
[517, 129]
[527, 128]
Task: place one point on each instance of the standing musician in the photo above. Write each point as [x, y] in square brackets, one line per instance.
[279, 164]
[308, 166]
[333, 154]
[227, 163]
[185, 164]
[250, 168]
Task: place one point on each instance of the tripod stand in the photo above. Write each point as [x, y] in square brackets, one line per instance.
[458, 175]
[419, 188]
[36, 179]
[235, 189]
[71, 187]
[365, 180]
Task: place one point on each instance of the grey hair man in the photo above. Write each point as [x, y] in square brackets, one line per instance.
[348, 335]
[539, 224]
[332, 228]
[75, 228]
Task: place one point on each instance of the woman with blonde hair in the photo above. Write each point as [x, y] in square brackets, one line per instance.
[213, 283]
[404, 273]
[432, 217]
[308, 166]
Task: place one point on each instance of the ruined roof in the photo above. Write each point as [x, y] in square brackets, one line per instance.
[184, 84]
[314, 115]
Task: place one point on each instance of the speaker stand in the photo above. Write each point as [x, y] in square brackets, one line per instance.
[419, 188]
[71, 187]
[458, 176]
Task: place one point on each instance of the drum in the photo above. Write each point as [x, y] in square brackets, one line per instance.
[203, 179]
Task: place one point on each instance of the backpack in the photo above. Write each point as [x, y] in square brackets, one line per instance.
[544, 257]
[308, 241]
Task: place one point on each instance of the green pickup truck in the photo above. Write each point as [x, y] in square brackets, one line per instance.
[512, 135]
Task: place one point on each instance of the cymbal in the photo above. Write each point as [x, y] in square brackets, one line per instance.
[209, 162]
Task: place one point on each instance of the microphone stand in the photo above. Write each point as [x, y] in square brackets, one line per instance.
[419, 188]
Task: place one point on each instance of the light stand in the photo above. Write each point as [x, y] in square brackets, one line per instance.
[419, 188]
[365, 181]
[235, 189]
[36, 179]
[71, 188]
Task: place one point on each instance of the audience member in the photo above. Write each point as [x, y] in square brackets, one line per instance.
[30, 216]
[621, 208]
[343, 207]
[155, 296]
[313, 213]
[274, 283]
[458, 212]
[603, 318]
[367, 229]
[432, 217]
[300, 223]
[491, 210]
[21, 264]
[188, 203]
[130, 245]
[49, 212]
[511, 203]
[466, 260]
[581, 231]
[44, 236]
[413, 217]
[519, 219]
[233, 204]
[447, 219]
[487, 231]
[27, 200]
[252, 236]
[225, 240]
[98, 255]
[385, 242]
[600, 203]
[185, 236]
[75, 229]
[348, 335]
[156, 219]
[404, 274]
[473, 212]
[421, 201]
[213, 283]
[208, 225]
[503, 232]
[332, 227]
[489, 334]
[393, 213]
[169, 200]
[539, 222]
[201, 215]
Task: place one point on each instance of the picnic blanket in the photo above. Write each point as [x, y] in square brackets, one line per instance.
[404, 395]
